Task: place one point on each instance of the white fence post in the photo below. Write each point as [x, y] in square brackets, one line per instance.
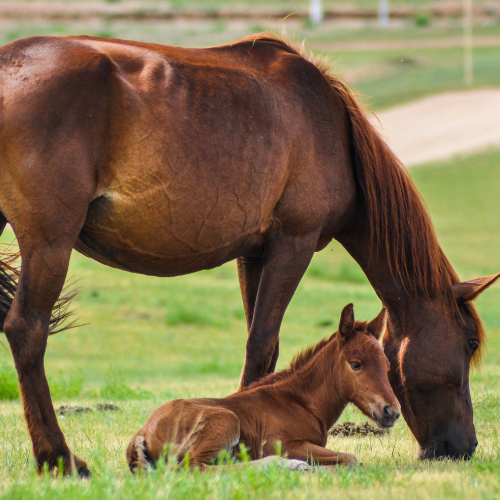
[383, 14]
[316, 11]
[468, 43]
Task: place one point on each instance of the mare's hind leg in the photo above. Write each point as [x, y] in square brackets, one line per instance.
[249, 274]
[43, 272]
[47, 214]
[285, 262]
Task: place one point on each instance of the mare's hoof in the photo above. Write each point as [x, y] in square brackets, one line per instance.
[84, 473]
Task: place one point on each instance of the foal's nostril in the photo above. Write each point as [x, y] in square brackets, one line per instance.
[387, 411]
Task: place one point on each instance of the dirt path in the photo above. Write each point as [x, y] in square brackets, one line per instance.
[441, 126]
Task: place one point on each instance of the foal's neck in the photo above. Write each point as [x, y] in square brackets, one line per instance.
[315, 386]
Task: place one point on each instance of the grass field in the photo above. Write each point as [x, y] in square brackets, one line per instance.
[149, 340]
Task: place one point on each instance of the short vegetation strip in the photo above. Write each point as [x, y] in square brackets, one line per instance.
[349, 429]
[70, 410]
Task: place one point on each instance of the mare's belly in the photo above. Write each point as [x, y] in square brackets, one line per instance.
[158, 236]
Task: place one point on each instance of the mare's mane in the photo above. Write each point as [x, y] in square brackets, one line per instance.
[301, 360]
[400, 225]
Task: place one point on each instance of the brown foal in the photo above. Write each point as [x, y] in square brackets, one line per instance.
[295, 407]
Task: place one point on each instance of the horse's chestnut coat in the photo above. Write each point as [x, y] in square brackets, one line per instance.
[165, 161]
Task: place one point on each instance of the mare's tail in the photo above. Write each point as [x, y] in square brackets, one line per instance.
[9, 275]
[400, 225]
[137, 455]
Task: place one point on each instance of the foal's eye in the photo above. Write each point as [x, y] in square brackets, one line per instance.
[473, 345]
[355, 365]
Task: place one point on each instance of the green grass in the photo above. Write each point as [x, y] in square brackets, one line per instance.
[131, 354]
[9, 387]
[409, 74]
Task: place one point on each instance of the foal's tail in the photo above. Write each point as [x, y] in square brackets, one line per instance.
[137, 455]
[9, 276]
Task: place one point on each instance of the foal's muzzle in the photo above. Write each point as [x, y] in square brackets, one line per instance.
[386, 416]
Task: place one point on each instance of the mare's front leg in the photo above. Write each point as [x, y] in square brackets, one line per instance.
[318, 455]
[285, 262]
[46, 209]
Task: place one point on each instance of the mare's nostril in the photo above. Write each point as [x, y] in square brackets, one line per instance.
[387, 411]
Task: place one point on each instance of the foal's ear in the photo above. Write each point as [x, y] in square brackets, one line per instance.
[346, 325]
[469, 290]
[377, 326]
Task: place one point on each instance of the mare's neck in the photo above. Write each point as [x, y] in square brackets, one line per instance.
[387, 285]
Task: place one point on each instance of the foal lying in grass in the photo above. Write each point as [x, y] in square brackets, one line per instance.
[295, 407]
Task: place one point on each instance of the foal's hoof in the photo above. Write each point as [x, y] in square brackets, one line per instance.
[350, 461]
[293, 464]
[84, 473]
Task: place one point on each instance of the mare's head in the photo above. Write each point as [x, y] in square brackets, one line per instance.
[431, 347]
[362, 369]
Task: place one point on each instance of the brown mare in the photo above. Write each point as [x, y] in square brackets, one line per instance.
[295, 407]
[164, 161]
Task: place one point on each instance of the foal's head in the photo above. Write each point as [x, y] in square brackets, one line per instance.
[362, 368]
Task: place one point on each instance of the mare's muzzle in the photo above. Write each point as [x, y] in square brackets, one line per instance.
[451, 446]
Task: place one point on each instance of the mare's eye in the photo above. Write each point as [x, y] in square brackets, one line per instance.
[355, 365]
[473, 345]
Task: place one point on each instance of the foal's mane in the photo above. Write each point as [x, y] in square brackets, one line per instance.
[301, 360]
[400, 225]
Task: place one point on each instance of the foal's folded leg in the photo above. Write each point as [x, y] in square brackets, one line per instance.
[219, 430]
[321, 456]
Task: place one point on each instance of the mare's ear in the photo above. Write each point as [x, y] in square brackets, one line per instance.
[377, 326]
[346, 325]
[469, 290]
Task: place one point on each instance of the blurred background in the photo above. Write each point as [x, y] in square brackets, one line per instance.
[390, 50]
[440, 60]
